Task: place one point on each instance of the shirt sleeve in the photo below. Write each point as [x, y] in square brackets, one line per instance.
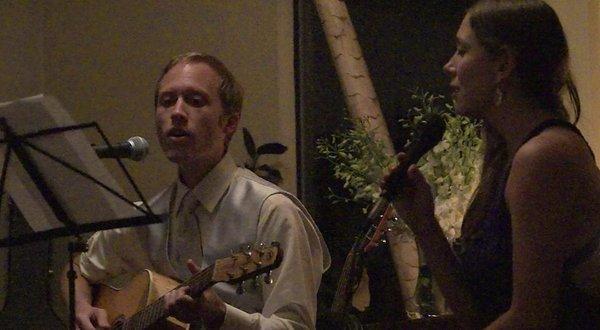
[291, 301]
[111, 253]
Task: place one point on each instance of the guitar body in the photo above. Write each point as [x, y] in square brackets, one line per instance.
[140, 303]
[142, 290]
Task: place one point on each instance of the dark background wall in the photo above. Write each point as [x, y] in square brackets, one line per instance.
[405, 44]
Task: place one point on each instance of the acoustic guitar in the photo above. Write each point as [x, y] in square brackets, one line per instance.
[140, 304]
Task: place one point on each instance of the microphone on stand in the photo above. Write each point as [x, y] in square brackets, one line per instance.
[135, 148]
[426, 137]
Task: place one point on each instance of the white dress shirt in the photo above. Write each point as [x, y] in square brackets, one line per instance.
[232, 207]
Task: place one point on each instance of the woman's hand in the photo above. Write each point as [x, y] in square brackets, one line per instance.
[414, 201]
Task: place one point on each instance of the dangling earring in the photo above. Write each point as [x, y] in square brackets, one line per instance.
[498, 97]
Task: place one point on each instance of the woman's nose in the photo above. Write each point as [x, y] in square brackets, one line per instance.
[449, 68]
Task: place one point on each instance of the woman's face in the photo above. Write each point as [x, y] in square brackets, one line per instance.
[473, 75]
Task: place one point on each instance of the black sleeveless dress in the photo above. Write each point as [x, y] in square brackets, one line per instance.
[485, 255]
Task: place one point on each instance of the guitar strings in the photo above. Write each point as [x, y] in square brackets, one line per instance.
[155, 311]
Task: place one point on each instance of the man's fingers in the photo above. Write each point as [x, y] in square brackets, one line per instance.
[192, 266]
[85, 323]
[102, 319]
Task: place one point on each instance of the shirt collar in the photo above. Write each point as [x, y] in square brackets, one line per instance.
[212, 187]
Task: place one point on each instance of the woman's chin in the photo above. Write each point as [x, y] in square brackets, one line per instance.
[459, 109]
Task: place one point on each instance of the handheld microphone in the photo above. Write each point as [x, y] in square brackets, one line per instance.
[135, 148]
[426, 137]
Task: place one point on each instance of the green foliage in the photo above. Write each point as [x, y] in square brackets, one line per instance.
[265, 171]
[452, 167]
[358, 160]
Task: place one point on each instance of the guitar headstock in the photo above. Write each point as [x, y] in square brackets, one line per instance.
[247, 264]
[375, 236]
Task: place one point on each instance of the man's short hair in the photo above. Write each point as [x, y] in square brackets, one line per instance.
[230, 91]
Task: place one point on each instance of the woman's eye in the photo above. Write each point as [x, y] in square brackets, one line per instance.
[195, 100]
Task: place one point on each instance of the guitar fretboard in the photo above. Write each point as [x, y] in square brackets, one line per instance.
[155, 311]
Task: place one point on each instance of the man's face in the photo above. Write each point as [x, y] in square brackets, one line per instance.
[190, 121]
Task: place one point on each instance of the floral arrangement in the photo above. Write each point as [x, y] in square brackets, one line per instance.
[452, 167]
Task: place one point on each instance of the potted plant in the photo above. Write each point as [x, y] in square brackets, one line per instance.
[265, 171]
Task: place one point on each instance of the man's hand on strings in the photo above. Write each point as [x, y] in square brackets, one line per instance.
[207, 307]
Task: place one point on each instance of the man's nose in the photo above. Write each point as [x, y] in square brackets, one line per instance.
[179, 110]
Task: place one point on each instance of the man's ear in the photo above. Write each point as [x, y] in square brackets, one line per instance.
[230, 123]
[506, 62]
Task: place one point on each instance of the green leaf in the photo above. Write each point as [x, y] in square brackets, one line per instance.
[269, 173]
[271, 149]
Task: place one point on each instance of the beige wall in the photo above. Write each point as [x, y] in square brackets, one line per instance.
[101, 59]
[582, 26]
[20, 75]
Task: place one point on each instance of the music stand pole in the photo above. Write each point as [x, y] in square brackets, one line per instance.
[75, 246]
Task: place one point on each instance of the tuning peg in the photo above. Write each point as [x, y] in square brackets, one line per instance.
[247, 250]
[261, 248]
[268, 279]
[256, 282]
[240, 288]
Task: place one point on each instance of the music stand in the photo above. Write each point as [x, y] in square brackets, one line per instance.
[57, 180]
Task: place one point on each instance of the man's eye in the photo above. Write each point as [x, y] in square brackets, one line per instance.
[167, 100]
[195, 100]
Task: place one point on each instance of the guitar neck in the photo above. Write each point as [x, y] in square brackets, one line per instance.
[352, 270]
[155, 312]
[348, 278]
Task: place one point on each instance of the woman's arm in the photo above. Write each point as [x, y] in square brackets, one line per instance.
[550, 194]
[415, 207]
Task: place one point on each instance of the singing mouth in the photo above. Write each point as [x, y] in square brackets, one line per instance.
[454, 91]
[178, 134]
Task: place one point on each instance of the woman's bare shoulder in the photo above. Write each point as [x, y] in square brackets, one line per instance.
[560, 145]
[554, 180]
